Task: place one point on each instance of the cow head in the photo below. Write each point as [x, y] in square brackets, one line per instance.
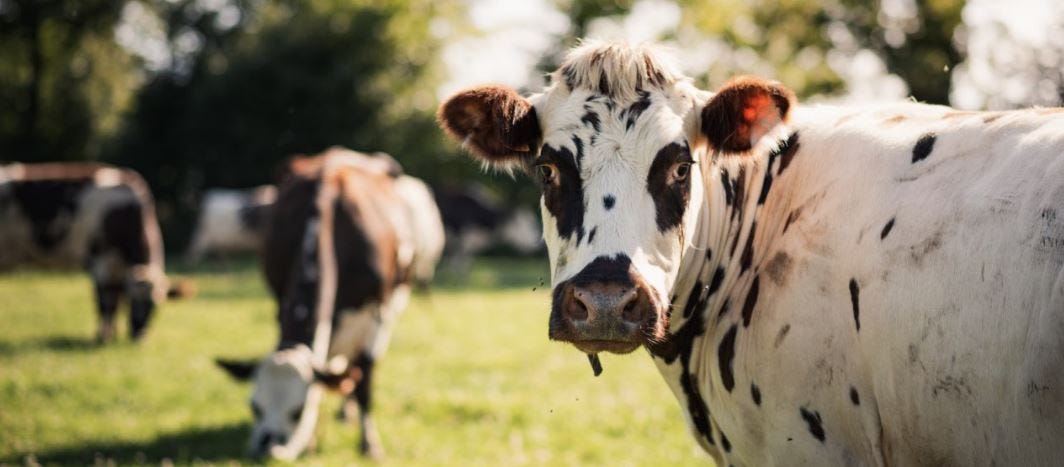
[281, 403]
[617, 144]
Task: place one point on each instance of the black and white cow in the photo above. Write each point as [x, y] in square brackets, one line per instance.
[102, 218]
[344, 241]
[473, 223]
[818, 285]
[231, 221]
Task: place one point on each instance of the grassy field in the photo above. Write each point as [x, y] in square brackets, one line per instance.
[470, 379]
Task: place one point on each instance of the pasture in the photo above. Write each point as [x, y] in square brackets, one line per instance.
[470, 379]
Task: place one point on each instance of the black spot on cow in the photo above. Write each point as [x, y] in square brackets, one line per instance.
[755, 394]
[122, 230]
[923, 147]
[570, 78]
[791, 217]
[49, 206]
[718, 278]
[693, 300]
[748, 252]
[782, 334]
[814, 422]
[725, 356]
[591, 236]
[787, 150]
[591, 119]
[565, 199]
[635, 110]
[696, 406]
[886, 229]
[729, 193]
[670, 199]
[724, 443]
[579, 144]
[765, 187]
[751, 301]
[854, 397]
[608, 201]
[739, 186]
[604, 85]
[854, 291]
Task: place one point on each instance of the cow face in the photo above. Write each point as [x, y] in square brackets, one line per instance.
[608, 146]
[616, 145]
[280, 401]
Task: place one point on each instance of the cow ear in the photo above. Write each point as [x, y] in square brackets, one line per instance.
[343, 382]
[239, 370]
[744, 110]
[494, 123]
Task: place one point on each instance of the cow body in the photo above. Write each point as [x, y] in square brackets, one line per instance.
[340, 252]
[829, 286]
[102, 218]
[231, 221]
[474, 223]
[903, 300]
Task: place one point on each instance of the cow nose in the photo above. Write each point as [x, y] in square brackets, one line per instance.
[604, 316]
[606, 301]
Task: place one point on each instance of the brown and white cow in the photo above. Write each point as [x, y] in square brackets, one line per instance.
[95, 216]
[818, 285]
[345, 239]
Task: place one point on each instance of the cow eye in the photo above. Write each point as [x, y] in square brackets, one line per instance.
[547, 173]
[256, 411]
[681, 171]
[294, 416]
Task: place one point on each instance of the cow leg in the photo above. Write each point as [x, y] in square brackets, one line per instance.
[141, 305]
[369, 444]
[107, 296]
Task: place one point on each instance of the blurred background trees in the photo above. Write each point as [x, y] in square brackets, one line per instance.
[216, 93]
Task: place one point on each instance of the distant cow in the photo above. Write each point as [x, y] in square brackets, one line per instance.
[94, 216]
[874, 285]
[341, 248]
[231, 220]
[474, 223]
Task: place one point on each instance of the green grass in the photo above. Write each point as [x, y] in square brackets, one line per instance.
[470, 379]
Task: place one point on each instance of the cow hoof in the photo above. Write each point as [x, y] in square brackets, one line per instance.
[348, 413]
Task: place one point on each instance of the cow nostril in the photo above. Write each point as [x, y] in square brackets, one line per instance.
[577, 310]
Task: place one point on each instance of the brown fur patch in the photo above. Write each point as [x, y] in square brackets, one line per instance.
[778, 267]
[993, 116]
[732, 116]
[495, 123]
[895, 119]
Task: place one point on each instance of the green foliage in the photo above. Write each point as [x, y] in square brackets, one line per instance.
[470, 379]
[63, 81]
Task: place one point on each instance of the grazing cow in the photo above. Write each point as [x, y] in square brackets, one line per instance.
[340, 250]
[818, 286]
[475, 223]
[94, 216]
[231, 221]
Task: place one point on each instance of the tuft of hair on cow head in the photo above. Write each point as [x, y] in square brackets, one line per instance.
[744, 110]
[240, 370]
[494, 123]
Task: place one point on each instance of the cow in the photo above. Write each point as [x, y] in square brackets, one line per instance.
[231, 220]
[341, 250]
[818, 285]
[95, 216]
[474, 223]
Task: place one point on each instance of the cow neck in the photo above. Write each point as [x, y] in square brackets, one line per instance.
[719, 259]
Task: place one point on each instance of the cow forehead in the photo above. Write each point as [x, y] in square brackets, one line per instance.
[601, 132]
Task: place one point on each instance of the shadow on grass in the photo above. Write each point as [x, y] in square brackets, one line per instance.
[50, 343]
[213, 444]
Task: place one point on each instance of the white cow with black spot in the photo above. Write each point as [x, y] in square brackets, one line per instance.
[818, 286]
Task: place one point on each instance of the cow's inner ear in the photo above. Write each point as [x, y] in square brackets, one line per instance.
[743, 111]
[494, 123]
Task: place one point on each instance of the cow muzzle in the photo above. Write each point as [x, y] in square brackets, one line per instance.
[607, 307]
